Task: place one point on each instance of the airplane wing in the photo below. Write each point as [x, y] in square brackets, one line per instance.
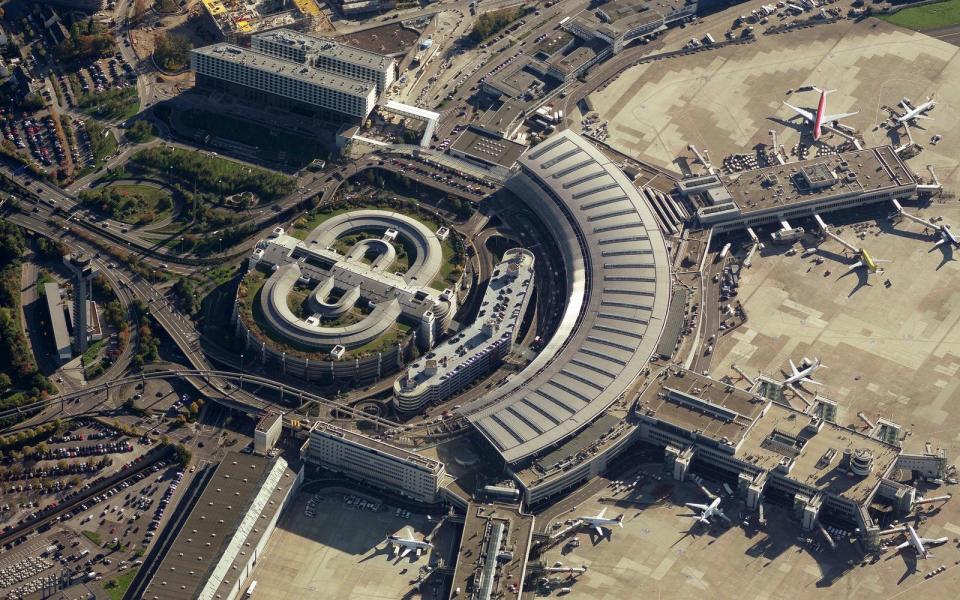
[856, 265]
[704, 520]
[697, 506]
[808, 380]
[793, 368]
[393, 551]
[882, 260]
[602, 512]
[409, 533]
[405, 551]
[803, 113]
[598, 530]
[418, 552]
[724, 517]
[942, 540]
[832, 118]
[904, 545]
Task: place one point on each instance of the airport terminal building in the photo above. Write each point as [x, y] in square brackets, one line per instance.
[798, 189]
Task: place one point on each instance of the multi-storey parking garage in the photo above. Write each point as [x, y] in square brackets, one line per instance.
[618, 289]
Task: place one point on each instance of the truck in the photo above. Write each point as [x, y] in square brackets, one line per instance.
[728, 489]
[251, 589]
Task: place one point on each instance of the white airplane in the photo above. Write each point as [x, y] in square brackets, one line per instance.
[864, 259]
[801, 376]
[912, 113]
[408, 543]
[920, 544]
[818, 119]
[707, 511]
[599, 522]
[946, 234]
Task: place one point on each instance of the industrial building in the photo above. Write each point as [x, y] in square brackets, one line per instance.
[85, 5]
[618, 287]
[226, 530]
[374, 462]
[301, 88]
[798, 189]
[329, 56]
[619, 22]
[478, 348]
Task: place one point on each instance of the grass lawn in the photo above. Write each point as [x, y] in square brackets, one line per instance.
[930, 16]
[118, 586]
[93, 536]
[304, 225]
[150, 196]
[92, 350]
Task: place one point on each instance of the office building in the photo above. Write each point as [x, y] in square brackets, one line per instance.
[267, 432]
[83, 271]
[374, 462]
[58, 321]
[479, 347]
[301, 88]
[329, 56]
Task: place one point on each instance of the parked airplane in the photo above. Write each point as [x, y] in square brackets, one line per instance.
[599, 521]
[818, 119]
[912, 113]
[946, 234]
[408, 543]
[801, 376]
[864, 259]
[707, 511]
[920, 544]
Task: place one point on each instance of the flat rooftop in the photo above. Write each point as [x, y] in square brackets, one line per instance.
[554, 42]
[499, 120]
[847, 174]
[390, 39]
[696, 403]
[515, 79]
[764, 433]
[317, 47]
[214, 523]
[58, 322]
[811, 466]
[497, 322]
[362, 440]
[488, 148]
[482, 569]
[285, 68]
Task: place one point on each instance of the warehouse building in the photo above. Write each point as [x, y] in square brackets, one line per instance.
[329, 56]
[798, 189]
[477, 349]
[374, 462]
[227, 529]
[301, 88]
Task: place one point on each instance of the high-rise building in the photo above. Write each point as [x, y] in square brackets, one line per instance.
[83, 271]
[328, 55]
[229, 68]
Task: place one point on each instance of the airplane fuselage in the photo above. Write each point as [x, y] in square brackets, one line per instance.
[821, 111]
[868, 261]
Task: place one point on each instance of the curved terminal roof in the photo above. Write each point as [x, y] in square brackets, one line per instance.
[618, 282]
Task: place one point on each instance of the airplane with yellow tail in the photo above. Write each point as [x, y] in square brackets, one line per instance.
[872, 265]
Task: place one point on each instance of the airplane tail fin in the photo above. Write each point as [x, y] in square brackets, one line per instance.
[620, 521]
